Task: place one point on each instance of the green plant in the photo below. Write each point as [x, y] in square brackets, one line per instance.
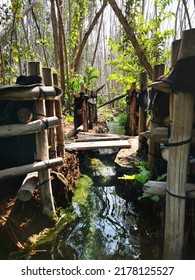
[122, 119]
[142, 176]
[87, 79]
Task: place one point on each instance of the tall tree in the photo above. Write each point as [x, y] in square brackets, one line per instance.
[86, 36]
[131, 34]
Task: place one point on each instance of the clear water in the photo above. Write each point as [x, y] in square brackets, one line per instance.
[107, 226]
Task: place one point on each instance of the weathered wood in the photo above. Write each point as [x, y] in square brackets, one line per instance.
[154, 149]
[27, 93]
[132, 112]
[142, 113]
[50, 111]
[93, 134]
[85, 115]
[24, 115]
[174, 55]
[161, 134]
[98, 145]
[10, 130]
[91, 139]
[28, 168]
[112, 100]
[159, 188]
[60, 127]
[42, 153]
[28, 186]
[183, 106]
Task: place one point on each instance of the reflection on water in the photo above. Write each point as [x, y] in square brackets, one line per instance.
[108, 226]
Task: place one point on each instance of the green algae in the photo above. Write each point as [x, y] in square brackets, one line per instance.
[44, 240]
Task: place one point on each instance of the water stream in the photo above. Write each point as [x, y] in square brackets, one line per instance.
[109, 227]
[105, 226]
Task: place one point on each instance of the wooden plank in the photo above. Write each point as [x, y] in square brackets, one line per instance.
[98, 145]
[91, 139]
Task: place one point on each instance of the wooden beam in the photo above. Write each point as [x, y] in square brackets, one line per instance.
[161, 134]
[28, 186]
[10, 130]
[181, 131]
[98, 145]
[159, 188]
[27, 93]
[25, 169]
[112, 100]
[42, 152]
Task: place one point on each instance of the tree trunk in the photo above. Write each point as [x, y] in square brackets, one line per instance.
[131, 34]
[86, 36]
[55, 33]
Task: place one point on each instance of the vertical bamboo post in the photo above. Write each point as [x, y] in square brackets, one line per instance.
[174, 55]
[183, 106]
[60, 127]
[50, 111]
[47, 202]
[84, 111]
[132, 112]
[154, 149]
[142, 113]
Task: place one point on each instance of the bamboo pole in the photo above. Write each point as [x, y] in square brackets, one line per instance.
[27, 93]
[132, 112]
[154, 150]
[10, 130]
[47, 202]
[183, 107]
[28, 186]
[50, 111]
[174, 55]
[60, 127]
[28, 168]
[84, 111]
[142, 113]
[159, 188]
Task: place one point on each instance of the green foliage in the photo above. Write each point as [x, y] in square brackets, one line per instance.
[69, 118]
[142, 176]
[87, 79]
[122, 119]
[150, 35]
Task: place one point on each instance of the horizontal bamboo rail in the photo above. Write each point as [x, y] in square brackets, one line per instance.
[25, 169]
[27, 93]
[159, 188]
[29, 128]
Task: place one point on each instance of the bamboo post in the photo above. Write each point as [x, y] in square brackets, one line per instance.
[50, 111]
[84, 111]
[174, 55]
[42, 154]
[142, 113]
[183, 107]
[60, 127]
[132, 111]
[154, 149]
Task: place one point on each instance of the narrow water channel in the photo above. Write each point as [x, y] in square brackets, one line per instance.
[109, 227]
[105, 226]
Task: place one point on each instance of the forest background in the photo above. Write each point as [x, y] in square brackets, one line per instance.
[90, 42]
